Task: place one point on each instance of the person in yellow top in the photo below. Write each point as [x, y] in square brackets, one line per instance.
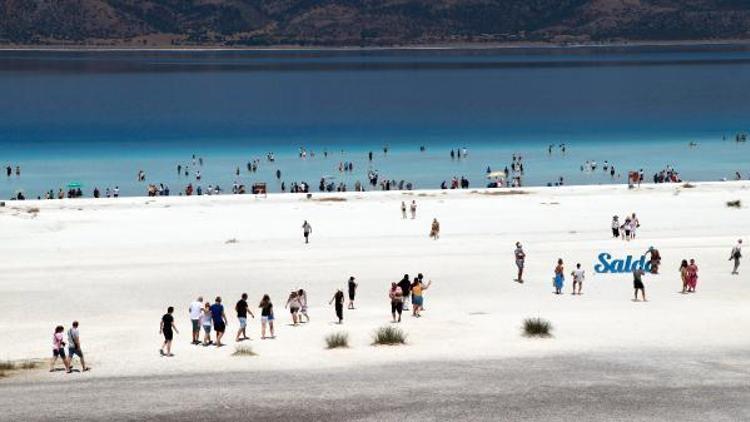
[417, 299]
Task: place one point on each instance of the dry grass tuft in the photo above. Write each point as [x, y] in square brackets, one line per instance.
[244, 350]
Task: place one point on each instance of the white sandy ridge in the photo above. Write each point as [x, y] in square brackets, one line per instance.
[116, 264]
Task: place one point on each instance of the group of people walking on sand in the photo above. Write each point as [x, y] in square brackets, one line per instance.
[412, 209]
[405, 291]
[625, 230]
[73, 345]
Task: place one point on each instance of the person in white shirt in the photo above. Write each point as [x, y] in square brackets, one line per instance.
[578, 276]
[735, 256]
[195, 318]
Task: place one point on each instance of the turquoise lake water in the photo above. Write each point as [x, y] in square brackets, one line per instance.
[99, 117]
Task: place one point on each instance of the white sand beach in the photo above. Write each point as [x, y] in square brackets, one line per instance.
[116, 264]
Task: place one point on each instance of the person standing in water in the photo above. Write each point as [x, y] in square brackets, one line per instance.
[168, 328]
[520, 261]
[735, 256]
[338, 298]
[578, 276]
[413, 209]
[266, 316]
[559, 279]
[638, 274]
[306, 230]
[352, 288]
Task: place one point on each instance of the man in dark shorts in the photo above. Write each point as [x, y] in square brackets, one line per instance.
[638, 283]
[242, 310]
[352, 287]
[405, 286]
[74, 346]
[168, 329]
[220, 320]
[397, 301]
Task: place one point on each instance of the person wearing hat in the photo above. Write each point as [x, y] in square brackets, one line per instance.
[520, 259]
[736, 255]
[615, 227]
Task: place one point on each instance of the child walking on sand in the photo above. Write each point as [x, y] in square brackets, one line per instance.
[338, 298]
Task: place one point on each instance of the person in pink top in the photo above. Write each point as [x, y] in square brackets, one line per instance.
[58, 349]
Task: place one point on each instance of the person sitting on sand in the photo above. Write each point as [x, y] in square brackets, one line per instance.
[58, 349]
[168, 328]
[638, 274]
[435, 229]
[338, 297]
[397, 301]
[559, 279]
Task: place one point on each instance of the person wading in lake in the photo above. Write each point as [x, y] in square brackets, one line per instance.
[306, 230]
[735, 256]
[520, 260]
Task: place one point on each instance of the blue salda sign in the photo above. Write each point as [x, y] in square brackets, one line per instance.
[608, 265]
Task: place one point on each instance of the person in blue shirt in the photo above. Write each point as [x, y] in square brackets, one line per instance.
[219, 319]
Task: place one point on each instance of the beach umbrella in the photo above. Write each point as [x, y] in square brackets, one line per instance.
[495, 174]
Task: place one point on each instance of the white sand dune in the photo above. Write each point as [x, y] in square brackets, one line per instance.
[115, 265]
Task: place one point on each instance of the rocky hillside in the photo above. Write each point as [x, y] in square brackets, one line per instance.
[366, 22]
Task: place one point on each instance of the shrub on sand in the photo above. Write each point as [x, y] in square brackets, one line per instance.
[734, 204]
[28, 364]
[536, 327]
[388, 335]
[7, 365]
[337, 340]
[243, 350]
